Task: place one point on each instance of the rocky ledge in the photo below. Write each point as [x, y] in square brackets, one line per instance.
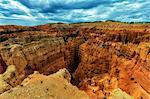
[104, 59]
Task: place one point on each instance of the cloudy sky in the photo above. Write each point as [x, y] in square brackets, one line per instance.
[35, 12]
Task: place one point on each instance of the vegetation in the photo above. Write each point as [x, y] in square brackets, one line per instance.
[115, 21]
[3, 39]
[18, 30]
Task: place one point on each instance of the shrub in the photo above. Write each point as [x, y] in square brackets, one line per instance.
[3, 39]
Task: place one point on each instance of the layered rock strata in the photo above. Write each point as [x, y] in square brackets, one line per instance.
[45, 55]
[106, 66]
[104, 58]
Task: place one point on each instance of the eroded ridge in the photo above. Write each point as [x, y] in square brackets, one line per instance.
[105, 59]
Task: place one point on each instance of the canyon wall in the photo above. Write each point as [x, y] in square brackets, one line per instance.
[102, 57]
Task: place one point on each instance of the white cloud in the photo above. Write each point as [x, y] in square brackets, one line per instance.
[23, 17]
[15, 5]
[135, 5]
[1, 15]
[19, 6]
[57, 11]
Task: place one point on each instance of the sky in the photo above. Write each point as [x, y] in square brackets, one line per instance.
[37, 12]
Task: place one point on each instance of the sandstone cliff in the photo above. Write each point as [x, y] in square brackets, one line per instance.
[104, 58]
[44, 55]
[106, 66]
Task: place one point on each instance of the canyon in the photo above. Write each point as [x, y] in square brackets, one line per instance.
[96, 60]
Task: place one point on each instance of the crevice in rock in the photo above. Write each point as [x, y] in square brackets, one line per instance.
[3, 65]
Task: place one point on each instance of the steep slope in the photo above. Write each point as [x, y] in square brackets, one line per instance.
[45, 55]
[101, 56]
[106, 66]
[45, 87]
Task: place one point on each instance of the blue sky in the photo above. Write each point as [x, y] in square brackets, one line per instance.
[35, 12]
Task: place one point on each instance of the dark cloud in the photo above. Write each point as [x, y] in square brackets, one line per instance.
[8, 12]
[53, 5]
[43, 11]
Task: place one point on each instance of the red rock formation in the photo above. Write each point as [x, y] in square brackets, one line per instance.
[45, 55]
[104, 55]
[125, 64]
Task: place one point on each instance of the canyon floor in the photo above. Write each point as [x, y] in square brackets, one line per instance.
[97, 60]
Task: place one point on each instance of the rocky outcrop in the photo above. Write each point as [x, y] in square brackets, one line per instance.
[45, 55]
[101, 56]
[116, 65]
[55, 86]
[4, 78]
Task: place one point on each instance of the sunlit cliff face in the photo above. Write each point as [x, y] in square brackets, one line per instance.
[103, 58]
